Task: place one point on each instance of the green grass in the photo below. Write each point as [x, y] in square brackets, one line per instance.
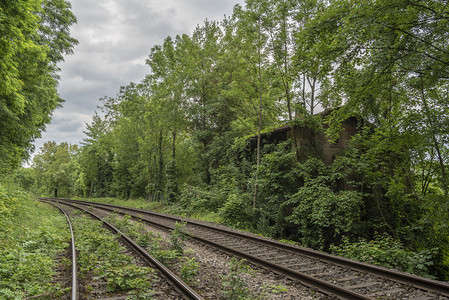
[31, 236]
[135, 203]
[158, 207]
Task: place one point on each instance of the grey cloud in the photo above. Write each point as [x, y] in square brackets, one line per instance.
[116, 37]
[68, 126]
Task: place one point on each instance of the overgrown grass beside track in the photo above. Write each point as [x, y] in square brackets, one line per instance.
[31, 236]
[158, 207]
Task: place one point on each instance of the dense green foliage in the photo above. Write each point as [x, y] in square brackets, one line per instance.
[385, 251]
[32, 234]
[35, 36]
[195, 132]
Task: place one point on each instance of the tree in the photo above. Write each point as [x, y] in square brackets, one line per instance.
[210, 108]
[167, 89]
[54, 169]
[251, 40]
[392, 64]
[311, 62]
[96, 158]
[389, 63]
[35, 39]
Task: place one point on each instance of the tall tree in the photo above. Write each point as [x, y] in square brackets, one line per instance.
[210, 110]
[167, 87]
[389, 63]
[392, 64]
[252, 48]
[311, 69]
[96, 158]
[36, 36]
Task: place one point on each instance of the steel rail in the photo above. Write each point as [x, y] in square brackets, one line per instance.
[321, 285]
[75, 294]
[401, 277]
[180, 285]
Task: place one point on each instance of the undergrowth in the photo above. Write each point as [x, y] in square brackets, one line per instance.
[384, 251]
[32, 234]
[102, 257]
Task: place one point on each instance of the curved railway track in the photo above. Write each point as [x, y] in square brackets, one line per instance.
[330, 274]
[184, 289]
[74, 287]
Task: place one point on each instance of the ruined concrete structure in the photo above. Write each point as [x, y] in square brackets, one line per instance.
[311, 141]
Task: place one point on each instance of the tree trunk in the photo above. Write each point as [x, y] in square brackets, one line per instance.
[259, 127]
[174, 146]
[159, 173]
[434, 139]
[288, 94]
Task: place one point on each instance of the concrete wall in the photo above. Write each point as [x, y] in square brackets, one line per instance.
[319, 143]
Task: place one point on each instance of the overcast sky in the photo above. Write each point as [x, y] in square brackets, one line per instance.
[115, 38]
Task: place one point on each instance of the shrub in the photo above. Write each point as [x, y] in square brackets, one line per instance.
[237, 212]
[322, 215]
[197, 199]
[189, 270]
[383, 250]
[233, 285]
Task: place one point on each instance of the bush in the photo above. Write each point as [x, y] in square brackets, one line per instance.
[277, 180]
[237, 212]
[197, 199]
[383, 250]
[322, 215]
[31, 235]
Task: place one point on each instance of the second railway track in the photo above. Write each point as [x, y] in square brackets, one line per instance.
[332, 275]
[184, 290]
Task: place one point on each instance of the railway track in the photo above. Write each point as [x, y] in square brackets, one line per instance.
[330, 274]
[74, 279]
[185, 291]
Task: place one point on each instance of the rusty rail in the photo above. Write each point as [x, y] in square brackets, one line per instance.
[75, 289]
[180, 285]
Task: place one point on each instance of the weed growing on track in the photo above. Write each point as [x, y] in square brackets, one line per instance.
[150, 240]
[178, 236]
[188, 267]
[147, 239]
[102, 257]
[189, 270]
[32, 234]
[135, 230]
[233, 285]
[273, 289]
